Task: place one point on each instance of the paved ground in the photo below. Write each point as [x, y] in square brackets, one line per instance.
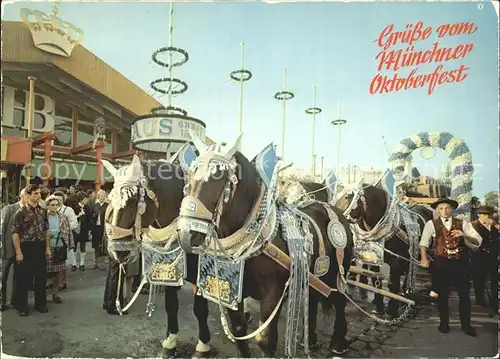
[81, 328]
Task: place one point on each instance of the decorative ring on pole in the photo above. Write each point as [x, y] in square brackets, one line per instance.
[338, 122]
[284, 95]
[166, 124]
[171, 110]
[183, 86]
[461, 163]
[313, 111]
[167, 50]
[240, 75]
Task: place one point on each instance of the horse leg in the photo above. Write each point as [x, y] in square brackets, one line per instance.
[268, 338]
[378, 299]
[338, 343]
[200, 309]
[394, 287]
[239, 329]
[406, 290]
[246, 309]
[313, 313]
[171, 307]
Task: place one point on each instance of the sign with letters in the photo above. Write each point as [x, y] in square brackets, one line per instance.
[47, 112]
[162, 129]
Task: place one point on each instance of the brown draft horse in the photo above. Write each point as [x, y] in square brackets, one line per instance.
[264, 280]
[367, 216]
[166, 181]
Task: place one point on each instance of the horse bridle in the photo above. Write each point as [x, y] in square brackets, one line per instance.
[115, 233]
[358, 193]
[194, 215]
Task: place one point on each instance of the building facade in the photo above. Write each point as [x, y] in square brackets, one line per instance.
[82, 109]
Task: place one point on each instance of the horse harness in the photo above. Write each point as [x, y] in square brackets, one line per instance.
[260, 224]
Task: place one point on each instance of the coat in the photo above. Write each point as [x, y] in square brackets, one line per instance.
[96, 210]
[8, 213]
[85, 222]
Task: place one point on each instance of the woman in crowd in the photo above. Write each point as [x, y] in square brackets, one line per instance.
[83, 214]
[61, 238]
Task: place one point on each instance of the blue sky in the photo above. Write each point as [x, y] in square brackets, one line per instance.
[330, 45]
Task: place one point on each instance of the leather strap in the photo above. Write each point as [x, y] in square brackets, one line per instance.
[284, 260]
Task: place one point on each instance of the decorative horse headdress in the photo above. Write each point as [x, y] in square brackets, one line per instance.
[127, 180]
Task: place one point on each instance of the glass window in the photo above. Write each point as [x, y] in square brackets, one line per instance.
[20, 98]
[123, 141]
[18, 117]
[109, 147]
[63, 125]
[85, 130]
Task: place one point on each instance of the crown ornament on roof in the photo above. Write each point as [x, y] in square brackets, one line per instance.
[50, 33]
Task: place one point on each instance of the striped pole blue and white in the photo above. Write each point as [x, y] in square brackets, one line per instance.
[460, 157]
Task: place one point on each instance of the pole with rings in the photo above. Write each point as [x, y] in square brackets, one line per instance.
[31, 121]
[338, 123]
[169, 86]
[283, 96]
[313, 111]
[241, 76]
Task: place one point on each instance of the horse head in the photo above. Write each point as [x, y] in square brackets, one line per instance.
[132, 208]
[365, 202]
[221, 188]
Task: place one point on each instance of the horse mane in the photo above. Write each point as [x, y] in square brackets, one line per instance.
[320, 192]
[166, 180]
[376, 204]
[247, 191]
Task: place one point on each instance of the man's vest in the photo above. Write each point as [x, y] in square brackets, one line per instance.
[490, 238]
[446, 246]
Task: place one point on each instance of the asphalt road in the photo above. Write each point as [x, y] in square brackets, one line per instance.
[81, 328]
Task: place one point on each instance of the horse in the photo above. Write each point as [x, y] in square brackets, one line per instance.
[299, 190]
[370, 208]
[224, 198]
[163, 183]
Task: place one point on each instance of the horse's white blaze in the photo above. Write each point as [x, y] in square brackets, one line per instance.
[170, 342]
[202, 347]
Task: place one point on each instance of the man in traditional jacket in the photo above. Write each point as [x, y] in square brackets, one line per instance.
[452, 238]
[485, 259]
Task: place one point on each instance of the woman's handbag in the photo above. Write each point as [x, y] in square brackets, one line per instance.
[59, 254]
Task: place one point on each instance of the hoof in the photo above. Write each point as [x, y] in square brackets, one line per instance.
[339, 347]
[169, 353]
[198, 354]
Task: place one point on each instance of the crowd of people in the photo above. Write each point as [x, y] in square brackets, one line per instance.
[42, 234]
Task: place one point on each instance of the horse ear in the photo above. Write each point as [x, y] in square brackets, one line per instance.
[135, 166]
[111, 169]
[198, 143]
[233, 147]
